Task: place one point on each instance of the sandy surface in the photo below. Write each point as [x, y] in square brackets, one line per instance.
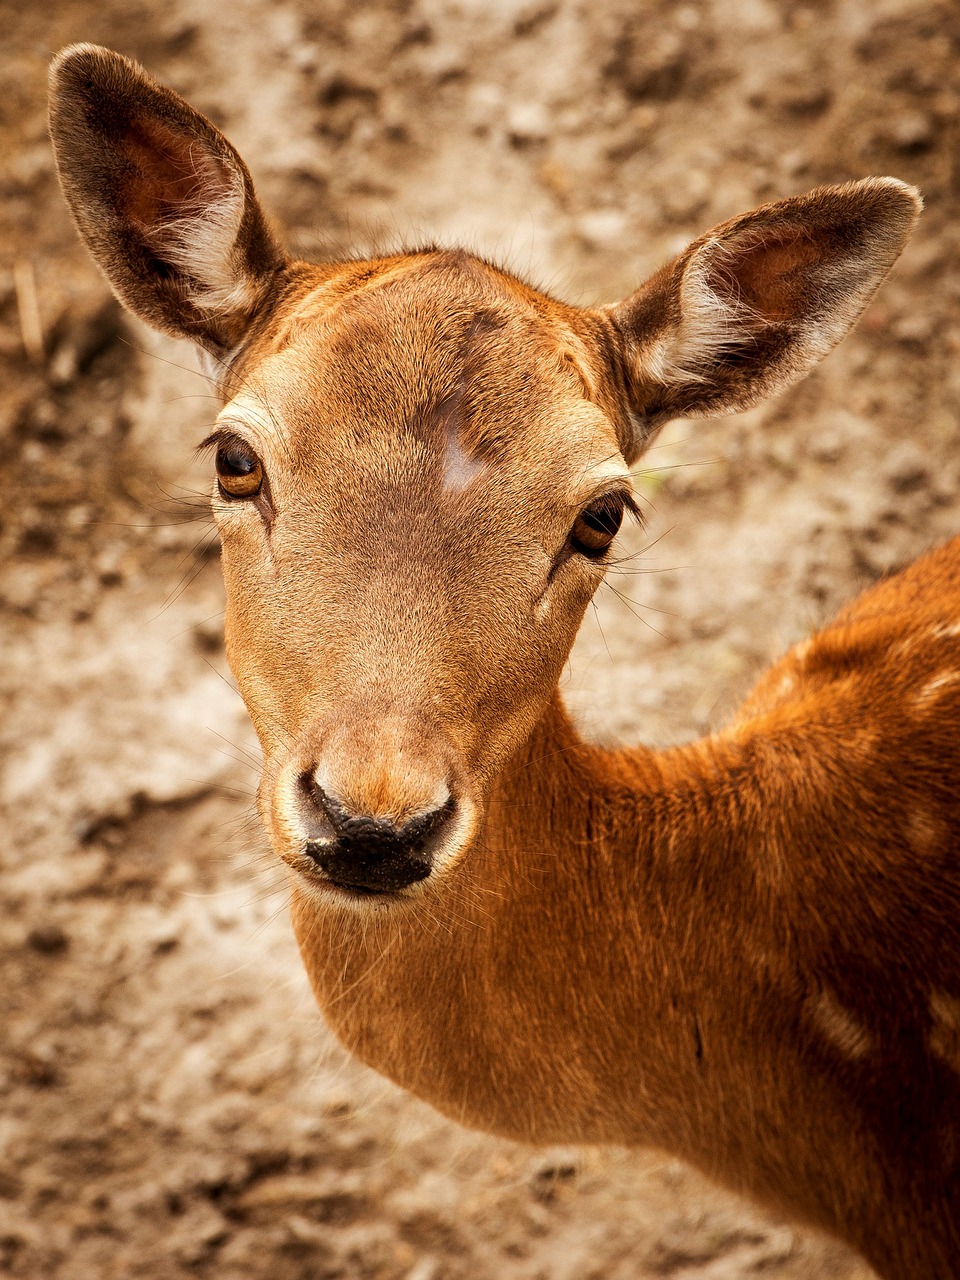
[172, 1105]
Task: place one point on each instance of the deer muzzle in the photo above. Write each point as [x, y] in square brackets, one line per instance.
[364, 854]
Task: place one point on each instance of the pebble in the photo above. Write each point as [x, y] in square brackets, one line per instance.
[911, 132]
[425, 1269]
[907, 468]
[527, 123]
[827, 446]
[602, 227]
[208, 635]
[48, 939]
[85, 334]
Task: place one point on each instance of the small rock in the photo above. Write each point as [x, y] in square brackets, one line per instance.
[302, 1233]
[602, 228]
[794, 163]
[686, 194]
[533, 16]
[20, 587]
[914, 329]
[912, 132]
[782, 454]
[708, 626]
[336, 1202]
[338, 1103]
[907, 469]
[82, 334]
[527, 123]
[556, 179]
[827, 446]
[108, 565]
[49, 939]
[687, 18]
[799, 97]
[208, 635]
[197, 1233]
[873, 555]
[551, 1178]
[425, 1269]
[649, 65]
[63, 366]
[305, 57]
[88, 826]
[27, 168]
[38, 1066]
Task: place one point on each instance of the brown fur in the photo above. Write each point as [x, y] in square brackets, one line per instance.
[746, 950]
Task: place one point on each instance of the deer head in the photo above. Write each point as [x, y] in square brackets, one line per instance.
[422, 463]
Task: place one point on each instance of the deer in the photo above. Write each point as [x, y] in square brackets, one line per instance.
[744, 950]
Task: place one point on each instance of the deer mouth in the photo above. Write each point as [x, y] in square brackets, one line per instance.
[376, 868]
[358, 889]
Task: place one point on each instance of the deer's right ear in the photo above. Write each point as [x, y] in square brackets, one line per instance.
[162, 200]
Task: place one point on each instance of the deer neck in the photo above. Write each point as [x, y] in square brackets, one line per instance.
[446, 996]
[617, 960]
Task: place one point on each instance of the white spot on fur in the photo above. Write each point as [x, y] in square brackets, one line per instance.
[932, 690]
[459, 468]
[785, 685]
[945, 631]
[801, 651]
[904, 649]
[842, 1028]
[945, 1009]
[945, 1029]
[924, 832]
[249, 414]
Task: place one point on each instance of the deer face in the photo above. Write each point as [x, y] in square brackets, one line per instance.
[421, 463]
[431, 494]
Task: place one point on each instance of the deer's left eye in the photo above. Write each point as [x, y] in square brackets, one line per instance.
[239, 471]
[597, 525]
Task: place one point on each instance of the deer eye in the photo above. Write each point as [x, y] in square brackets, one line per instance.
[239, 471]
[597, 525]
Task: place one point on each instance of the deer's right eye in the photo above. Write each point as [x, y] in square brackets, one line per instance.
[596, 527]
[239, 471]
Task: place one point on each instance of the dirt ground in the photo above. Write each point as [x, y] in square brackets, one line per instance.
[171, 1103]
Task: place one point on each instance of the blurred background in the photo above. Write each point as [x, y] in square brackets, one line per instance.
[171, 1104]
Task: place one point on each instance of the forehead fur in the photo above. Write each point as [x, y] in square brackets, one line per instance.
[427, 347]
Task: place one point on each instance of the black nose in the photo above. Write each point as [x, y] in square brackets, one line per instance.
[373, 855]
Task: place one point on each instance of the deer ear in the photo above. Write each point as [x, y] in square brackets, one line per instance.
[162, 200]
[752, 305]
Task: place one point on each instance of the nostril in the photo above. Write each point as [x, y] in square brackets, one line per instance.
[418, 830]
[318, 816]
[346, 821]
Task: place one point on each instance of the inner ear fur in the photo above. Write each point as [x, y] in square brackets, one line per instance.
[751, 306]
[162, 200]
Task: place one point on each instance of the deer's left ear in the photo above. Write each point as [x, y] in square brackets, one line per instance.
[161, 198]
[752, 305]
